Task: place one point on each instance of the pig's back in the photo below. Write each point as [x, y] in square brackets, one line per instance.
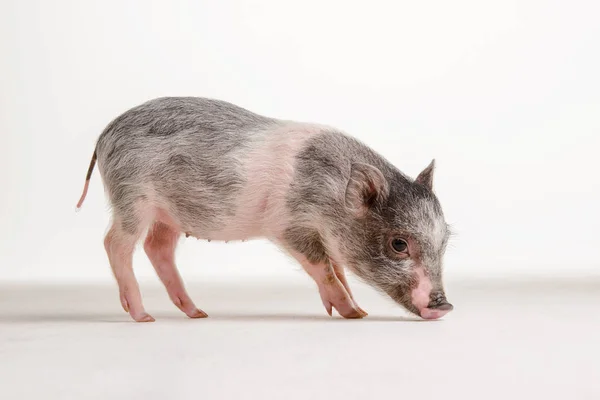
[166, 120]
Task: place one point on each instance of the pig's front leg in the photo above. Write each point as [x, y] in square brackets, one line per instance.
[332, 291]
[341, 275]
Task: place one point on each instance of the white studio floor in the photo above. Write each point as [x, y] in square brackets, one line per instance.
[503, 341]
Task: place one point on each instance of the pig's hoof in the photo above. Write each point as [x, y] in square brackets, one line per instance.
[143, 317]
[351, 311]
[347, 310]
[354, 314]
[197, 314]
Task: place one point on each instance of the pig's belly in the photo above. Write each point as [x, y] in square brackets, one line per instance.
[250, 221]
[228, 234]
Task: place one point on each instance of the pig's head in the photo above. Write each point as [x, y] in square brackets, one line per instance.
[396, 237]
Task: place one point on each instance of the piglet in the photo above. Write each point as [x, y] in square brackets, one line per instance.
[209, 169]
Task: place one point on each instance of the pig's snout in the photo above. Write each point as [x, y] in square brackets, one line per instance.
[430, 305]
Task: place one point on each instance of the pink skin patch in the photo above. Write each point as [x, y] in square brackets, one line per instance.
[420, 294]
[420, 297]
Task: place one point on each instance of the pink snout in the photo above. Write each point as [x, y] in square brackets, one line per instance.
[421, 298]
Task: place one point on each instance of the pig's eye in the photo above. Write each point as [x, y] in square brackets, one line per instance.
[399, 245]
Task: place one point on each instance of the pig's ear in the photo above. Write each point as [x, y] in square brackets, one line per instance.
[425, 178]
[366, 187]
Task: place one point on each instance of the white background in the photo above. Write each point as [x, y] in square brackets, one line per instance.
[505, 95]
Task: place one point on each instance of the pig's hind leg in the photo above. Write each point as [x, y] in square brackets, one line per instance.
[120, 243]
[160, 247]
